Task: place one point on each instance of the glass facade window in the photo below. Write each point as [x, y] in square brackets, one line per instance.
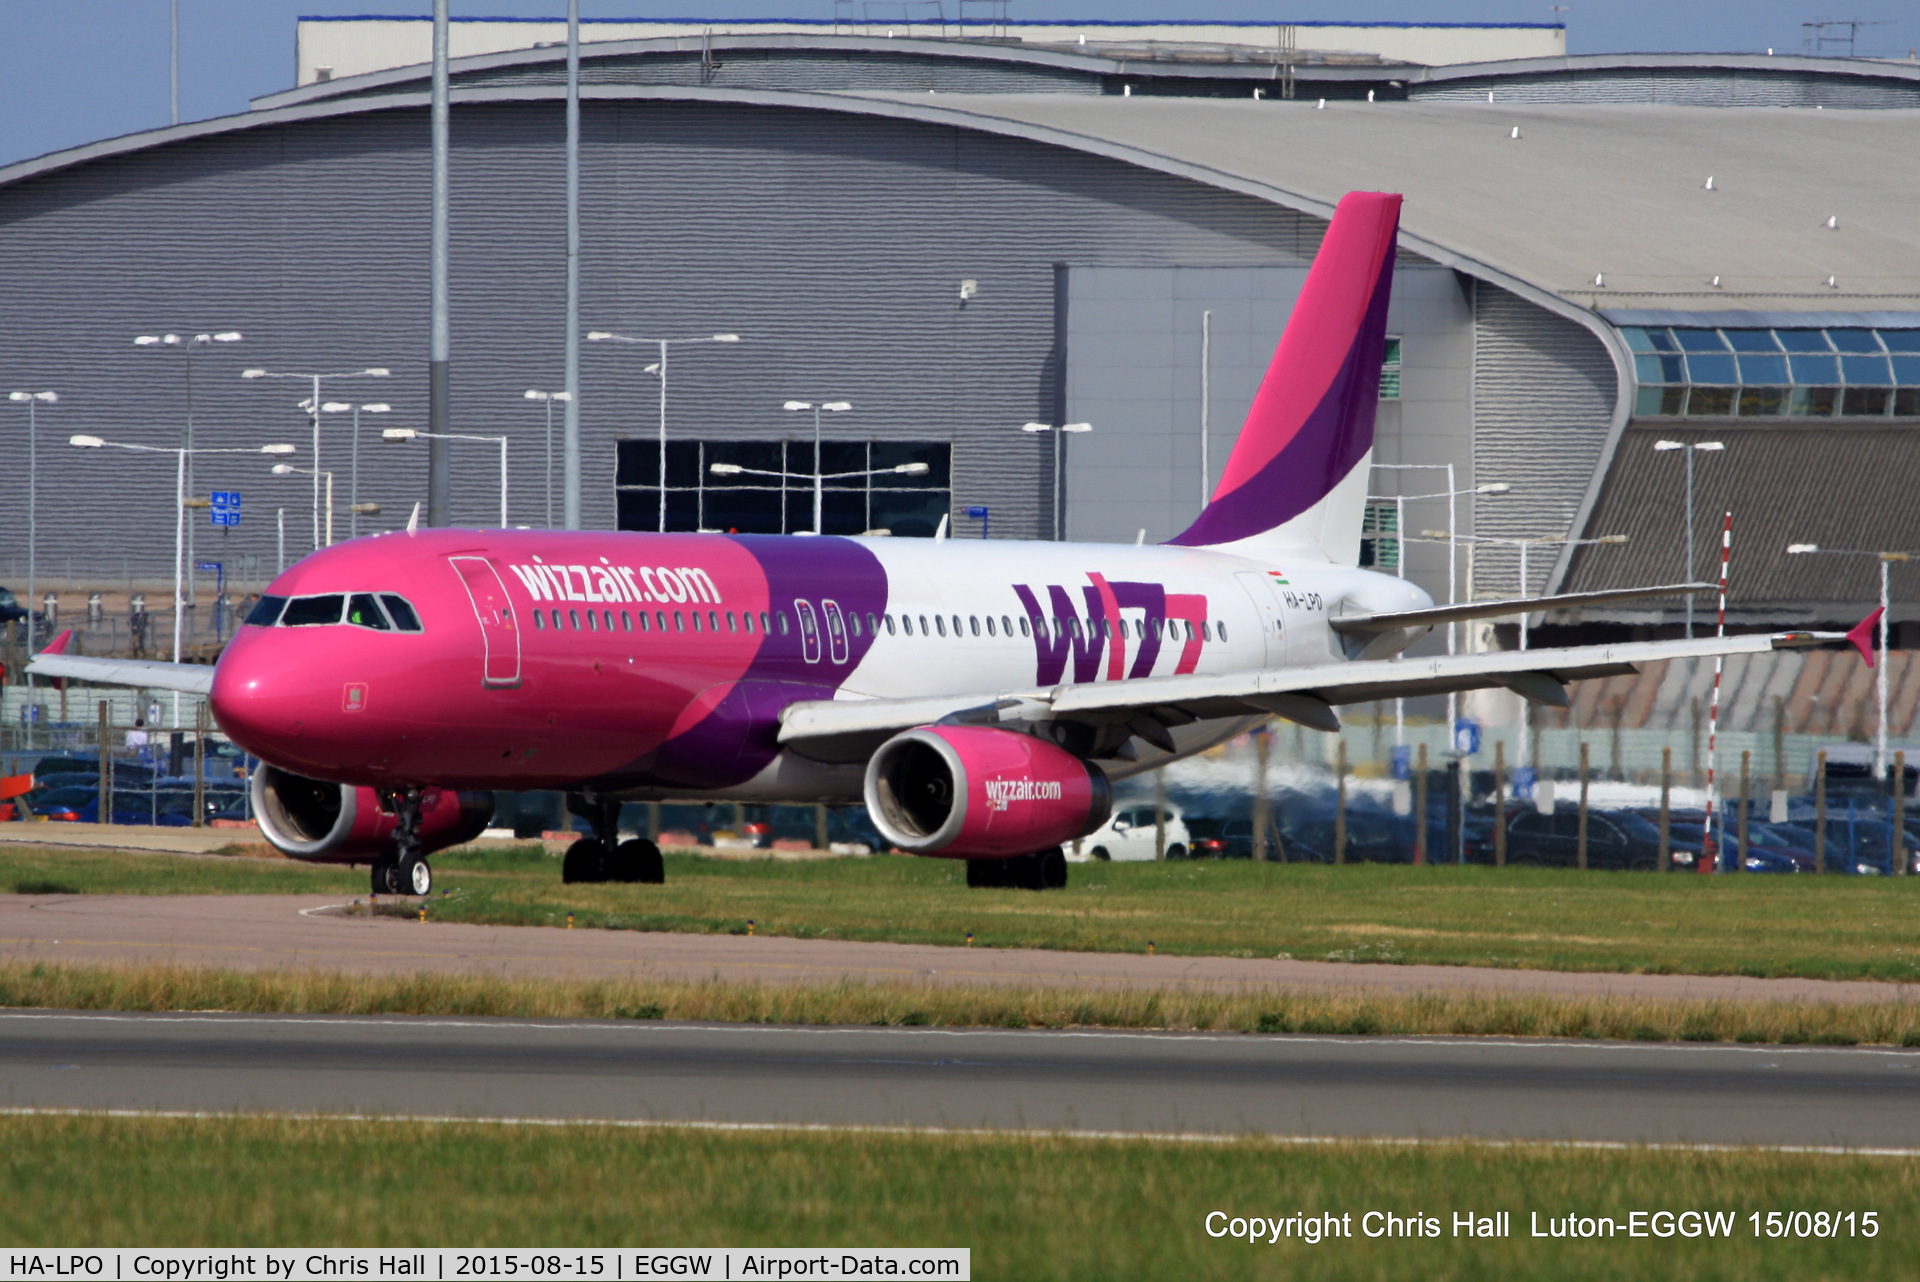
[1390, 369]
[780, 499]
[1698, 372]
[1379, 541]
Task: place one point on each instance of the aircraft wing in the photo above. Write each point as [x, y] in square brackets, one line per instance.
[1501, 609]
[148, 674]
[1306, 694]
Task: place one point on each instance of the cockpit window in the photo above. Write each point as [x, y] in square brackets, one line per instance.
[401, 612]
[364, 612]
[266, 612]
[308, 611]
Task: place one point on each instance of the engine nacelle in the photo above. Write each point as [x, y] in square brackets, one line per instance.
[974, 792]
[333, 824]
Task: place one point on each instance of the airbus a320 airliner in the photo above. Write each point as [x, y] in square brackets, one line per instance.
[979, 697]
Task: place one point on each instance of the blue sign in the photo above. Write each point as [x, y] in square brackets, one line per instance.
[1466, 737]
[206, 565]
[1402, 762]
[1524, 782]
[226, 507]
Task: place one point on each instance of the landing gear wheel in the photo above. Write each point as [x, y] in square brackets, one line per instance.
[413, 876]
[987, 874]
[1053, 868]
[637, 860]
[386, 875]
[586, 861]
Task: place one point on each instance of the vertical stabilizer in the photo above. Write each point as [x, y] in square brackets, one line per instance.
[1297, 478]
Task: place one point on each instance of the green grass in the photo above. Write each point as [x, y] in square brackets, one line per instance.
[1820, 927]
[849, 1002]
[1837, 928]
[1029, 1207]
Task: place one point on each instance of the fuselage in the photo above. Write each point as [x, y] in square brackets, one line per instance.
[659, 665]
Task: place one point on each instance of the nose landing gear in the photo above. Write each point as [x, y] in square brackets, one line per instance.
[405, 872]
[603, 856]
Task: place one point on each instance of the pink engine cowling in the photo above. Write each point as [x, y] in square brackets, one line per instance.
[333, 823]
[974, 792]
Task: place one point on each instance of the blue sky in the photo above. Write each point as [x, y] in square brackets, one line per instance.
[81, 70]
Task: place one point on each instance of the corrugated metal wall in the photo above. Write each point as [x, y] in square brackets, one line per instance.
[1690, 87]
[835, 245]
[1544, 395]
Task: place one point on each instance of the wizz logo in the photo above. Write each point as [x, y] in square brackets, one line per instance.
[1002, 792]
[1061, 631]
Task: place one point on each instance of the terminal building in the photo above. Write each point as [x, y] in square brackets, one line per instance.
[964, 231]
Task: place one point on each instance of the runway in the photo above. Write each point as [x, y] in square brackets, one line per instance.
[298, 932]
[1198, 1084]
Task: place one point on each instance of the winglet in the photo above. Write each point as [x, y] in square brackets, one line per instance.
[59, 644]
[413, 522]
[1861, 634]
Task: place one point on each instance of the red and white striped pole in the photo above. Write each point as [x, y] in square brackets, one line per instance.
[1710, 849]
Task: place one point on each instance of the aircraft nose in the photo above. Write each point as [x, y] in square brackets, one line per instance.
[259, 698]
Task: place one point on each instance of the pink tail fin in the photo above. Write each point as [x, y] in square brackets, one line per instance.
[1311, 426]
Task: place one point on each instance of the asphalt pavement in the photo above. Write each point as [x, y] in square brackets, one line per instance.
[1013, 1079]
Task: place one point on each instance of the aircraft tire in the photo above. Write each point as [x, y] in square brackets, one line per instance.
[586, 861]
[1053, 868]
[987, 874]
[637, 860]
[413, 876]
[386, 875]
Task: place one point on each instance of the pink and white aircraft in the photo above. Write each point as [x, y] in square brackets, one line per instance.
[979, 697]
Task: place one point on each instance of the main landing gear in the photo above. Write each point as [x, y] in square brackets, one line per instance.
[405, 872]
[1042, 870]
[603, 856]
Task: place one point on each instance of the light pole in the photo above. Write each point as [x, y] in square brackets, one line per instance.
[1880, 683]
[353, 476]
[1441, 536]
[312, 406]
[187, 345]
[565, 398]
[1058, 433]
[831, 407]
[1450, 494]
[33, 401]
[660, 369]
[288, 469]
[1662, 447]
[900, 469]
[179, 515]
[409, 434]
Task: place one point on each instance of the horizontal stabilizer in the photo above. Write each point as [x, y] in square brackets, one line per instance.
[1501, 609]
[148, 674]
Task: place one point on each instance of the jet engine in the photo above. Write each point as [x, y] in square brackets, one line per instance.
[975, 792]
[336, 824]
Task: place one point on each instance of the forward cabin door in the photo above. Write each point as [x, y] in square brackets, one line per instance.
[1266, 606]
[499, 631]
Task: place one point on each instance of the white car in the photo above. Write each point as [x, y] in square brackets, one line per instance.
[1128, 835]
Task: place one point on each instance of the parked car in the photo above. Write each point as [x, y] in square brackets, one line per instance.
[1128, 835]
[1209, 838]
[1374, 836]
[11, 611]
[1616, 839]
